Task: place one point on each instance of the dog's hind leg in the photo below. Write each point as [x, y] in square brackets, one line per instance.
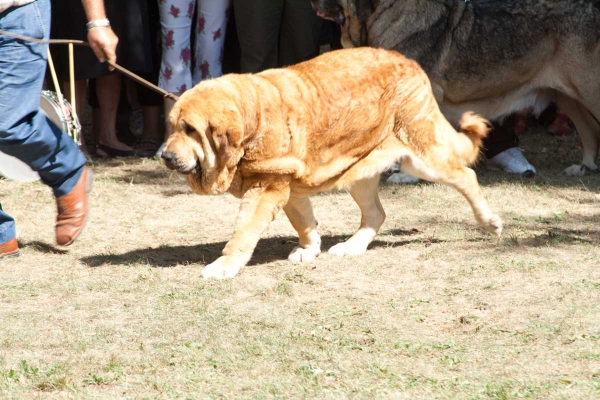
[365, 193]
[259, 207]
[588, 129]
[460, 178]
[300, 213]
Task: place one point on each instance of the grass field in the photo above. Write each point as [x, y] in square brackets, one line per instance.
[436, 308]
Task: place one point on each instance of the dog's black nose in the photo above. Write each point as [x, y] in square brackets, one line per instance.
[167, 156]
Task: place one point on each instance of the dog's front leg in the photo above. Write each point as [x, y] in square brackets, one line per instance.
[259, 207]
[300, 213]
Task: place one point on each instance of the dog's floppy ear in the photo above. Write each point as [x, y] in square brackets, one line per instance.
[173, 116]
[364, 8]
[228, 144]
[227, 132]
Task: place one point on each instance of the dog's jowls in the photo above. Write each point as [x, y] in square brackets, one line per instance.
[337, 121]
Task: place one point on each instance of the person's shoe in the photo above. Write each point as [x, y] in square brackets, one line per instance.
[9, 249]
[146, 148]
[73, 210]
[511, 161]
[561, 125]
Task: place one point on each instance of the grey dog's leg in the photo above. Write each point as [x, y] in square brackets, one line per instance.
[589, 131]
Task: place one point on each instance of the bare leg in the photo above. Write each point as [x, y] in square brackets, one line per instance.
[151, 137]
[300, 213]
[259, 207]
[366, 194]
[108, 89]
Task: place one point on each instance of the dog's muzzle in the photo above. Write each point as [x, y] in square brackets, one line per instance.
[172, 163]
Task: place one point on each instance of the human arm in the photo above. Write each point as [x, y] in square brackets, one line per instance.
[102, 39]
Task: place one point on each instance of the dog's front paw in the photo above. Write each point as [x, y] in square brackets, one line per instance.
[347, 249]
[494, 225]
[301, 254]
[224, 267]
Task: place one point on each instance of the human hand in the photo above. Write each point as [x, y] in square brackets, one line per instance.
[103, 42]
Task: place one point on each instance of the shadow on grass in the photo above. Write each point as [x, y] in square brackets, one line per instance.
[268, 250]
[558, 236]
[173, 193]
[43, 247]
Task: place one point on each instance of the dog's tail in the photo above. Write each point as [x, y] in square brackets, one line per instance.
[473, 128]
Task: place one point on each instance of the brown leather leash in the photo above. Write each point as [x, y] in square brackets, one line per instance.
[116, 66]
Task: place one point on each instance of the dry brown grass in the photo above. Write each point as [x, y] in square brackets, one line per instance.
[437, 308]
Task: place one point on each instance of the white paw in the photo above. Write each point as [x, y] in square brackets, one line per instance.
[223, 268]
[400, 177]
[300, 254]
[575, 170]
[347, 249]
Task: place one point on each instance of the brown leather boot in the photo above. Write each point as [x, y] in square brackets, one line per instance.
[9, 249]
[73, 210]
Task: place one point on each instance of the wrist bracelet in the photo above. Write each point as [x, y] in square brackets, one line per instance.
[97, 22]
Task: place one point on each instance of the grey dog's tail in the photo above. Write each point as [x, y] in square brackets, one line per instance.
[475, 128]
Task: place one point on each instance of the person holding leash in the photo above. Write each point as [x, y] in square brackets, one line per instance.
[25, 132]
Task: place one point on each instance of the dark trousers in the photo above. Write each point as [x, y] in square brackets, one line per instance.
[276, 33]
[501, 138]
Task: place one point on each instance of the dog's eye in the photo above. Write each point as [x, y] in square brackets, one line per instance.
[189, 129]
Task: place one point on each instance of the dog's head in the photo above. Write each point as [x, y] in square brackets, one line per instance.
[206, 138]
[330, 9]
[351, 15]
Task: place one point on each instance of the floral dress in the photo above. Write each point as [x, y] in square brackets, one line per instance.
[181, 68]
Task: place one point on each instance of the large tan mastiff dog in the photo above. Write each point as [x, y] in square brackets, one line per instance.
[337, 121]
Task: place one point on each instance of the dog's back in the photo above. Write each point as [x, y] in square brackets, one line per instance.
[348, 103]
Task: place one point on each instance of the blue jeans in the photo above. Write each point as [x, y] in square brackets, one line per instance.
[26, 133]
